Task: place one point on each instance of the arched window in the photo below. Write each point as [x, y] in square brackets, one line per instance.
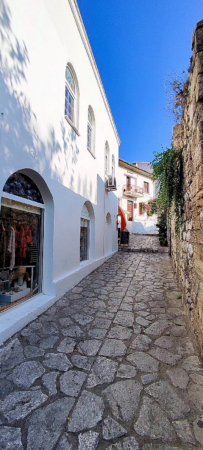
[84, 234]
[90, 130]
[87, 232]
[106, 158]
[71, 96]
[22, 186]
[25, 237]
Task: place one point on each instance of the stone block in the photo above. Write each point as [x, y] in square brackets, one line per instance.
[199, 38]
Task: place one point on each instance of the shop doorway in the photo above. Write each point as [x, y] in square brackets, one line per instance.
[129, 210]
[21, 240]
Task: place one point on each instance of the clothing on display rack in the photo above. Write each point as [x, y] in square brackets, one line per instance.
[20, 273]
[11, 248]
[2, 246]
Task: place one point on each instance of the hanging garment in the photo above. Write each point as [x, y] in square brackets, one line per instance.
[2, 246]
[28, 233]
[23, 244]
[11, 248]
[17, 234]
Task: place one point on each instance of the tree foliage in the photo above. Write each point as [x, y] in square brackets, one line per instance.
[168, 171]
[176, 89]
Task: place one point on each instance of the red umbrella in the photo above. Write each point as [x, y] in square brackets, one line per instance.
[123, 219]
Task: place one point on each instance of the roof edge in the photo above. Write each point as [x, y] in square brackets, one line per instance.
[130, 166]
[80, 25]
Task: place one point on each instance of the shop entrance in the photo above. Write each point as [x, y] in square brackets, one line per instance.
[21, 241]
[129, 210]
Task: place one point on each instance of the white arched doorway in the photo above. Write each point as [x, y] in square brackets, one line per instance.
[26, 237]
[87, 232]
[108, 234]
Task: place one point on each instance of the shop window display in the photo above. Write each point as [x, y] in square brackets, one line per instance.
[84, 239]
[20, 243]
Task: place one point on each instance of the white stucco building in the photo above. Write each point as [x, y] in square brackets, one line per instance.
[144, 165]
[58, 152]
[135, 187]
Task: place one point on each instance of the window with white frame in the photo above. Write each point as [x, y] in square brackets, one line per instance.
[70, 95]
[90, 130]
[106, 158]
[84, 234]
[146, 187]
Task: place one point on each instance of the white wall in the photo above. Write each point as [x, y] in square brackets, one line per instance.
[38, 39]
[141, 223]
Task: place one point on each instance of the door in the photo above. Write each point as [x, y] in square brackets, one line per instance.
[130, 210]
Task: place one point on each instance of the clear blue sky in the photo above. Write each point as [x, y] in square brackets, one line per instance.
[135, 45]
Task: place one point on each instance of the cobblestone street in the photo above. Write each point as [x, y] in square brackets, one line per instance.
[111, 365]
[141, 242]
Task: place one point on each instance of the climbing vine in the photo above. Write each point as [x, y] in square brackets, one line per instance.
[168, 171]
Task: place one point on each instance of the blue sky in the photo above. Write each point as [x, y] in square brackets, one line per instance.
[135, 45]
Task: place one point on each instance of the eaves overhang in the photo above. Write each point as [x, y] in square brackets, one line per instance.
[81, 28]
[131, 167]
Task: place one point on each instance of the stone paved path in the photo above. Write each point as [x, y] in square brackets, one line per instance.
[139, 241]
[110, 366]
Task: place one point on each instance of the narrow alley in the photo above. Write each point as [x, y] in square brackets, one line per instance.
[112, 365]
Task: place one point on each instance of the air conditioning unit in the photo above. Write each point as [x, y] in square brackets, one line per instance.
[111, 183]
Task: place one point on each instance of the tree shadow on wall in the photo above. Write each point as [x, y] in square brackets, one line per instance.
[19, 123]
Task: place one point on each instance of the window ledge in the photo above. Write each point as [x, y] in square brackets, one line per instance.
[91, 153]
[85, 262]
[73, 126]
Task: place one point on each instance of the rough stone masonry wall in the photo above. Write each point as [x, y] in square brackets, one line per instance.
[187, 248]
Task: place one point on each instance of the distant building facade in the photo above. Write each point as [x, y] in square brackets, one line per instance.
[135, 188]
[144, 165]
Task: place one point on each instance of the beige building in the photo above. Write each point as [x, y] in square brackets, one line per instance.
[136, 187]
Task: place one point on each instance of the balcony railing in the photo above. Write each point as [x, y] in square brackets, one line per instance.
[133, 191]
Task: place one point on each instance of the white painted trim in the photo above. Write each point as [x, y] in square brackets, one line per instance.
[17, 317]
[72, 125]
[26, 201]
[130, 175]
[91, 153]
[85, 263]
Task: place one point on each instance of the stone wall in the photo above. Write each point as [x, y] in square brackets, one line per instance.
[187, 248]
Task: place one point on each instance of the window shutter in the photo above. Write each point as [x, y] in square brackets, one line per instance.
[140, 208]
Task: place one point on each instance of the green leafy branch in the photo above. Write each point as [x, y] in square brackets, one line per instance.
[168, 171]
